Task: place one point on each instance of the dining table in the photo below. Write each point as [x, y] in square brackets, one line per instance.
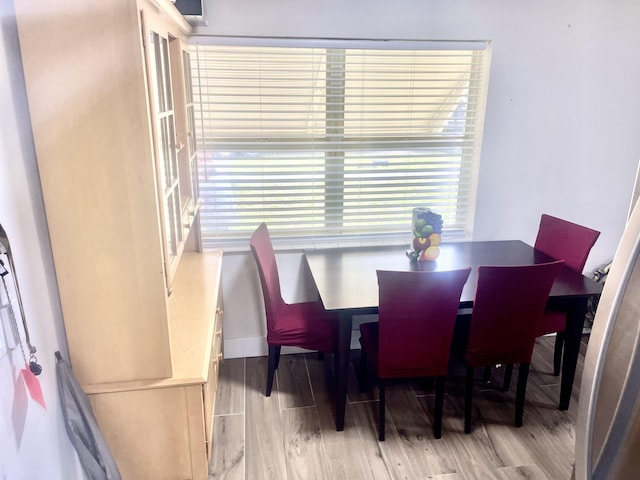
[347, 283]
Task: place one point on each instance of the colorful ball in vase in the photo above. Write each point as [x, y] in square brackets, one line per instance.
[427, 231]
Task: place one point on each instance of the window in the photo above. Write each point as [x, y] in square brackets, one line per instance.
[337, 142]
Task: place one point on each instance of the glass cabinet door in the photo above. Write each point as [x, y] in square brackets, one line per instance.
[191, 134]
[166, 148]
[173, 123]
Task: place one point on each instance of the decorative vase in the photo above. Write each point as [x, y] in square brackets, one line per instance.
[426, 227]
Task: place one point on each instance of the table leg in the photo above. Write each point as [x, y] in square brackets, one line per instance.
[342, 367]
[573, 337]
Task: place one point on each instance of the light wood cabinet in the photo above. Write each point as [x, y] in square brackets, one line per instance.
[112, 118]
[162, 429]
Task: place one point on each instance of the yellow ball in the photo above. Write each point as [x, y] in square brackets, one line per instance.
[431, 253]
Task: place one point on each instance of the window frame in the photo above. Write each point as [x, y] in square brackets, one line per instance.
[305, 241]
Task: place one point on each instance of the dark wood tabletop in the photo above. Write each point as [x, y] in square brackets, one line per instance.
[347, 283]
[346, 278]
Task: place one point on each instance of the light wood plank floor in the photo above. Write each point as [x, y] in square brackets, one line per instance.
[291, 435]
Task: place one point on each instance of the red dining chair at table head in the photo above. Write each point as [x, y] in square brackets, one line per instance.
[412, 338]
[565, 240]
[305, 324]
[562, 240]
[509, 302]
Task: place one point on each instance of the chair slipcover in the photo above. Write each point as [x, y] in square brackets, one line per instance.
[572, 243]
[509, 303]
[417, 313]
[305, 325]
[566, 241]
[412, 338]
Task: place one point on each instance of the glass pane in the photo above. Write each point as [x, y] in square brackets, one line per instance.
[155, 70]
[190, 128]
[166, 77]
[171, 148]
[169, 233]
[195, 185]
[164, 153]
[186, 63]
[177, 226]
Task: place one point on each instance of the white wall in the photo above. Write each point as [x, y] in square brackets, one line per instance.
[561, 131]
[33, 442]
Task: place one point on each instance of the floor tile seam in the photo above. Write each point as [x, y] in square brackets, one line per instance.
[358, 402]
[306, 368]
[220, 415]
[298, 407]
[244, 418]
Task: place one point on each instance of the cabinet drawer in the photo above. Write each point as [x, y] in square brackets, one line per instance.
[209, 388]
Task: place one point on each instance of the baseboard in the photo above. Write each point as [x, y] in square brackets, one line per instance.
[257, 346]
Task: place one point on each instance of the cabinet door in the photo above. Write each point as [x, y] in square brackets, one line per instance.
[172, 114]
[187, 148]
[89, 108]
[166, 148]
[186, 119]
[191, 126]
[155, 434]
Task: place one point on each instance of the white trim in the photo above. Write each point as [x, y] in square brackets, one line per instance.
[339, 43]
[257, 346]
[252, 347]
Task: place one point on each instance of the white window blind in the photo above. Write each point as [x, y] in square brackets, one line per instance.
[332, 142]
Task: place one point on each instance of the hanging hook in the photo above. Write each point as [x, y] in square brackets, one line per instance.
[5, 248]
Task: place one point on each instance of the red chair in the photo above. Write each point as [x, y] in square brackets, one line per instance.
[505, 293]
[417, 313]
[305, 325]
[572, 243]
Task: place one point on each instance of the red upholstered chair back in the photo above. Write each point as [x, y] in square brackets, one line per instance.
[269, 279]
[417, 313]
[510, 300]
[566, 241]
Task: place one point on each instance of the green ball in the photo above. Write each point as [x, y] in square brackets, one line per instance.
[427, 230]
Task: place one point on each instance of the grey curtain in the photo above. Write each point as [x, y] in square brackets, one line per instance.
[82, 428]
